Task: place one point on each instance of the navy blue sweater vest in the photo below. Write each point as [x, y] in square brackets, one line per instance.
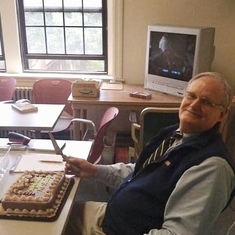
[138, 204]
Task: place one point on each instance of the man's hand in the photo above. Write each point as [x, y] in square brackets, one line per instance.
[85, 168]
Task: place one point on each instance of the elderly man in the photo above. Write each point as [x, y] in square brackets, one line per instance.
[180, 190]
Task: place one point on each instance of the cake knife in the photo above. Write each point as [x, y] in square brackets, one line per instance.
[59, 151]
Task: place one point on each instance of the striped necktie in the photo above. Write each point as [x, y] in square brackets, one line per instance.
[165, 145]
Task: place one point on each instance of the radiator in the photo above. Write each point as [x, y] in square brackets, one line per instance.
[23, 93]
[20, 93]
[4, 133]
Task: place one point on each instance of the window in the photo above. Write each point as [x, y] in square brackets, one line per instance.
[2, 56]
[63, 35]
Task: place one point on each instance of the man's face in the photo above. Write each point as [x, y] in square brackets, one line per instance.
[201, 107]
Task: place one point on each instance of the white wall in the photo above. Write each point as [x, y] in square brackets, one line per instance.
[138, 14]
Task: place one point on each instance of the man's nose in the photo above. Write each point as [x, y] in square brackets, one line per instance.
[196, 102]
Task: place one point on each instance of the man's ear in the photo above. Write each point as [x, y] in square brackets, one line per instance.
[223, 114]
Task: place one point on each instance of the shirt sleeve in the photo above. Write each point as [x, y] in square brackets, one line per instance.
[113, 175]
[198, 199]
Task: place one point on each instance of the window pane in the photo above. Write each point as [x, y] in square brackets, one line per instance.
[35, 39]
[93, 41]
[32, 3]
[50, 4]
[72, 4]
[54, 19]
[74, 41]
[93, 19]
[92, 3]
[55, 40]
[67, 65]
[73, 19]
[34, 18]
[2, 65]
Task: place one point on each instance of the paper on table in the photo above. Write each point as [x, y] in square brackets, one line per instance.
[111, 86]
[73, 148]
[40, 162]
[42, 145]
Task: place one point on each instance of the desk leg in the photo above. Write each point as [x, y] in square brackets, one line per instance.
[83, 126]
[78, 128]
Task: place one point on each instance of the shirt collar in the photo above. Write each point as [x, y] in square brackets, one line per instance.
[187, 136]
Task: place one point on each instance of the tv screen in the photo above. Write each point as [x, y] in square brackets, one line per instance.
[175, 54]
[172, 55]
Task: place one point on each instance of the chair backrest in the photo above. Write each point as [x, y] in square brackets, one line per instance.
[152, 119]
[98, 144]
[53, 91]
[7, 88]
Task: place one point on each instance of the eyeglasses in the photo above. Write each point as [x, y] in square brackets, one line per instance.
[202, 100]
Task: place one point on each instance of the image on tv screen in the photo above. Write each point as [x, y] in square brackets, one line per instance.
[171, 55]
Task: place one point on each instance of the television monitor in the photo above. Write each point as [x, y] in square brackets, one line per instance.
[175, 54]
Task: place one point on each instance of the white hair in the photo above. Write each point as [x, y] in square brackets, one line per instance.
[228, 91]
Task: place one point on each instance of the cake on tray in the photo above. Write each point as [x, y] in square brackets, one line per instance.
[35, 194]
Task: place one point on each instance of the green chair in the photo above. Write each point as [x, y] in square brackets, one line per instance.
[151, 120]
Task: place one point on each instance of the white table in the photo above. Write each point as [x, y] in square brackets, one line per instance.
[44, 119]
[16, 227]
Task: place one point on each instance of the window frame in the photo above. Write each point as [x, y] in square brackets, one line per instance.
[2, 55]
[12, 47]
[25, 56]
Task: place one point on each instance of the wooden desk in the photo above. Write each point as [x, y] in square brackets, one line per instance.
[44, 119]
[20, 227]
[121, 100]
